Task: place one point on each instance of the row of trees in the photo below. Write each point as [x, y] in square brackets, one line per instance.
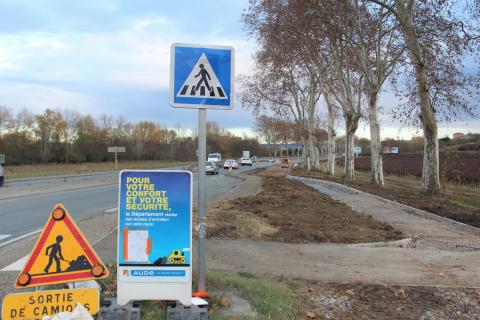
[279, 132]
[342, 53]
[68, 136]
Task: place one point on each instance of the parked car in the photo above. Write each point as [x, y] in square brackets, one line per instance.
[230, 162]
[1, 175]
[211, 167]
[246, 162]
[285, 163]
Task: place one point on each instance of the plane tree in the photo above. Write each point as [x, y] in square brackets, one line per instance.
[286, 91]
[438, 35]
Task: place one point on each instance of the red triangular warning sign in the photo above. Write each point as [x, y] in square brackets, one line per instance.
[61, 254]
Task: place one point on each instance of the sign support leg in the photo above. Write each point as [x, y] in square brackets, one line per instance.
[202, 156]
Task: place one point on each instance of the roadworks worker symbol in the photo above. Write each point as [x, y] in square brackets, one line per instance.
[202, 82]
[61, 254]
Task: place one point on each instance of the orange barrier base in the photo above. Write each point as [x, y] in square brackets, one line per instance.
[203, 295]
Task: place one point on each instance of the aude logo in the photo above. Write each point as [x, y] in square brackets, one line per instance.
[142, 273]
[157, 273]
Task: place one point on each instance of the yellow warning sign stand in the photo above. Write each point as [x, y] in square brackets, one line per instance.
[62, 254]
[36, 305]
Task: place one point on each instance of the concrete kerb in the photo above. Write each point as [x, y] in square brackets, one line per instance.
[409, 242]
[418, 212]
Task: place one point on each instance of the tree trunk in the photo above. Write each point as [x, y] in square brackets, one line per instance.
[351, 125]
[431, 161]
[312, 144]
[331, 139]
[66, 152]
[376, 164]
[306, 160]
[312, 152]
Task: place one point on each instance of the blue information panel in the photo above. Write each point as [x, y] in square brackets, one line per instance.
[201, 76]
[154, 234]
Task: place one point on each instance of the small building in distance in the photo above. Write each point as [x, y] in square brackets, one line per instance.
[458, 136]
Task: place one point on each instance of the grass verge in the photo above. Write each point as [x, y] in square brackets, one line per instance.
[57, 169]
[270, 298]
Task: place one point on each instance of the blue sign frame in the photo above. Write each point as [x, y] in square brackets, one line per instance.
[155, 219]
[183, 58]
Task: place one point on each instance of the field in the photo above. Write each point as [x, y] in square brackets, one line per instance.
[457, 167]
[40, 170]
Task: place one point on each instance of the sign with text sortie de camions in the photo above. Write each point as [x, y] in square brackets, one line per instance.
[154, 236]
[202, 76]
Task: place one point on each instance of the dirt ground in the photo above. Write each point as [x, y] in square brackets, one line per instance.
[408, 195]
[378, 301]
[289, 211]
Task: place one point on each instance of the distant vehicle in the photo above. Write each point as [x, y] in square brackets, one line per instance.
[246, 162]
[2, 179]
[271, 160]
[285, 163]
[214, 157]
[230, 162]
[246, 154]
[211, 167]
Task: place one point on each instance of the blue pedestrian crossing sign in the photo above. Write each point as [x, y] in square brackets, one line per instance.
[202, 76]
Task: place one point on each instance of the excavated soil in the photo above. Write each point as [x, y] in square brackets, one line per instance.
[289, 211]
[377, 301]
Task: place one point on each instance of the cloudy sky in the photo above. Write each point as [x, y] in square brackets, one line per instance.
[113, 57]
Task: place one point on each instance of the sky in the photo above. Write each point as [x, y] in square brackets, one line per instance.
[113, 57]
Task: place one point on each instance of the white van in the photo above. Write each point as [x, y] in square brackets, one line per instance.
[214, 157]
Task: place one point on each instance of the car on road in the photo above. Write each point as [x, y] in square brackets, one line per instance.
[230, 162]
[285, 163]
[246, 162]
[1, 175]
[211, 167]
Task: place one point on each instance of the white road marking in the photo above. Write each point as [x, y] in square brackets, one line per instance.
[111, 210]
[3, 244]
[3, 236]
[17, 265]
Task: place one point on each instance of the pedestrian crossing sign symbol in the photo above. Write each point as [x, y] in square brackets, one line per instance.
[201, 76]
[61, 254]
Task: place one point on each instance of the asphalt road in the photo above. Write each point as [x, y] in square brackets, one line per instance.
[22, 215]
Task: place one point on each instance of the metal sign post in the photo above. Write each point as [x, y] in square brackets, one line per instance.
[117, 150]
[202, 211]
[202, 77]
